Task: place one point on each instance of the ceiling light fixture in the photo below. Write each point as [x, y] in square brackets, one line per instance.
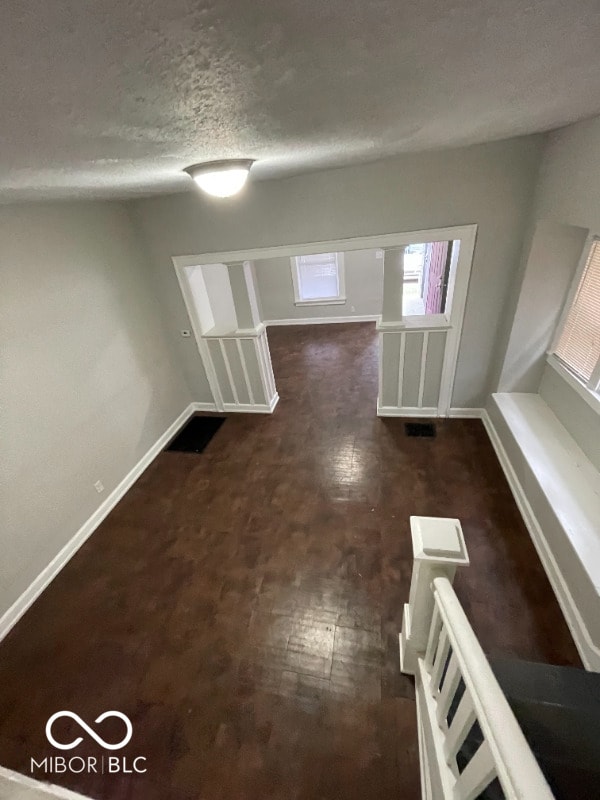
[221, 178]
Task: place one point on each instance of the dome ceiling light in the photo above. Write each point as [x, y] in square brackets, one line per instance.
[221, 178]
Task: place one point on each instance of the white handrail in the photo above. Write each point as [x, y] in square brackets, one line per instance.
[518, 772]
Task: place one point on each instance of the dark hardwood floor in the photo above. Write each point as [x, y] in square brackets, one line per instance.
[242, 606]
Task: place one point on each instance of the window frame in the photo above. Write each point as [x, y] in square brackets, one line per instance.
[588, 390]
[320, 301]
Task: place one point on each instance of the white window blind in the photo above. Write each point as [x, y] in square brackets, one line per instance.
[318, 277]
[579, 342]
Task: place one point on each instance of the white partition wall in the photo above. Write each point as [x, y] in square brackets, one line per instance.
[412, 363]
[242, 366]
[232, 340]
[418, 343]
[418, 349]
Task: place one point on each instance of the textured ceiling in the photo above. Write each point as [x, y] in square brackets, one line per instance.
[111, 98]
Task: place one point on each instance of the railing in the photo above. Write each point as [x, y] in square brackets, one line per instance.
[468, 735]
[500, 750]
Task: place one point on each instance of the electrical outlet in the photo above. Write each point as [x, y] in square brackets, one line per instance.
[352, 309]
[99, 486]
[378, 253]
[186, 334]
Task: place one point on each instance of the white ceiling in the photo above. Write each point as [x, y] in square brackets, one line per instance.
[111, 98]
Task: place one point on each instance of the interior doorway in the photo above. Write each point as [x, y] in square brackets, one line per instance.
[419, 314]
[426, 277]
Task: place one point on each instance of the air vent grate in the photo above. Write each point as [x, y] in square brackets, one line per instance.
[194, 437]
[423, 429]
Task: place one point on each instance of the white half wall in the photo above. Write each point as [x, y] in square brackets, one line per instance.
[89, 382]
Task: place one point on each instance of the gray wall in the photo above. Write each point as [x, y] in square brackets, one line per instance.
[569, 186]
[88, 380]
[491, 185]
[580, 419]
[554, 253]
[364, 288]
[568, 194]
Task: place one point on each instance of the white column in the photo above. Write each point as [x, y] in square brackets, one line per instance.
[438, 548]
[243, 291]
[393, 282]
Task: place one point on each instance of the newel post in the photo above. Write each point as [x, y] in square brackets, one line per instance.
[438, 549]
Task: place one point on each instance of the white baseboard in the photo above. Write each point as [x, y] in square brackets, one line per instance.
[257, 408]
[10, 618]
[428, 412]
[395, 411]
[589, 652]
[204, 407]
[323, 320]
[466, 413]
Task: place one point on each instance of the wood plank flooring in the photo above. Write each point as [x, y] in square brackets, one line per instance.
[242, 606]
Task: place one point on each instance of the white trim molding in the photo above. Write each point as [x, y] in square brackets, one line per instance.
[10, 617]
[325, 301]
[204, 407]
[257, 408]
[406, 411]
[591, 397]
[429, 412]
[372, 242]
[323, 320]
[338, 299]
[466, 413]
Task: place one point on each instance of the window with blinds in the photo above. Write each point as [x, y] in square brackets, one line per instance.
[318, 277]
[579, 341]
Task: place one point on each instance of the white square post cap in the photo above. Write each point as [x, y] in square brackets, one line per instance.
[438, 539]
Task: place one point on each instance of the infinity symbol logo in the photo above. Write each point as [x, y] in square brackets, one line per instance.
[88, 730]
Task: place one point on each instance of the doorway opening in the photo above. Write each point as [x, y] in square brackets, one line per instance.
[426, 277]
[322, 309]
[414, 290]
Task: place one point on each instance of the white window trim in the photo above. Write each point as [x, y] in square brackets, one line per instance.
[587, 390]
[321, 301]
[591, 397]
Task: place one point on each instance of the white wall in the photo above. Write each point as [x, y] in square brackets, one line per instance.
[195, 276]
[364, 288]
[491, 185]
[88, 380]
[218, 290]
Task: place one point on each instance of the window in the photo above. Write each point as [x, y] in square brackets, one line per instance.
[319, 279]
[578, 344]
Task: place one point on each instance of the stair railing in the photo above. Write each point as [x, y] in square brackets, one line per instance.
[468, 735]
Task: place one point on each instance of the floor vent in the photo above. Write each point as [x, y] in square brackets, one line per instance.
[420, 429]
[198, 432]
